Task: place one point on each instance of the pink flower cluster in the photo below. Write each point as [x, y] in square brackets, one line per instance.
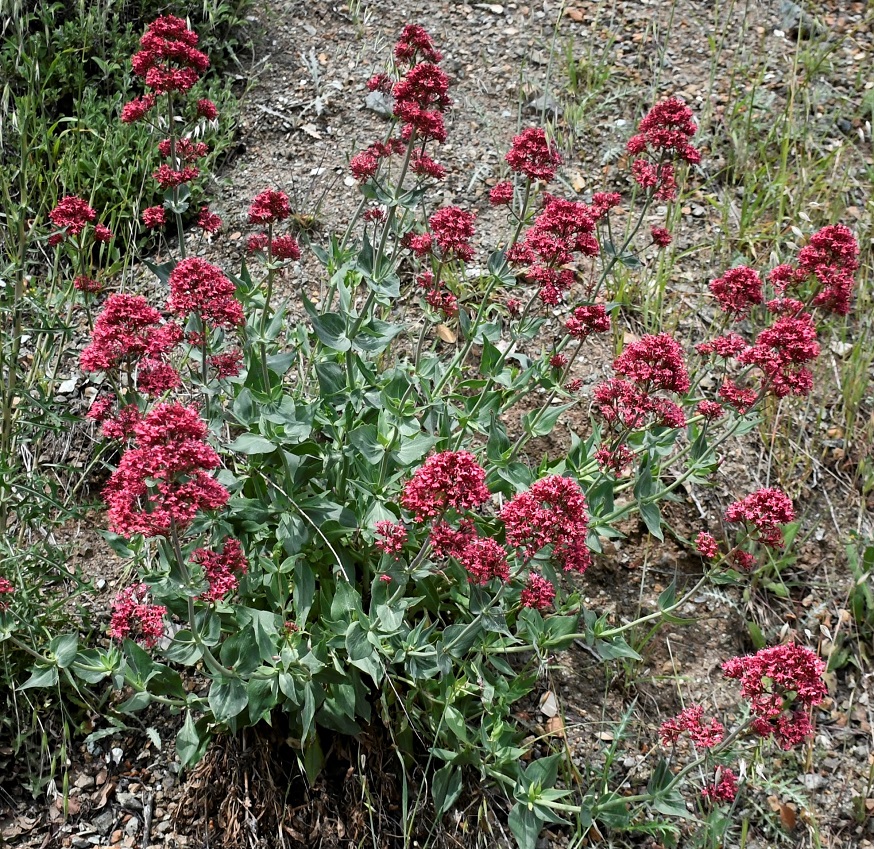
[197, 286]
[664, 136]
[484, 559]
[7, 590]
[268, 208]
[129, 331]
[586, 320]
[164, 481]
[168, 60]
[221, 568]
[724, 788]
[562, 230]
[452, 229]
[777, 681]
[781, 353]
[420, 100]
[690, 720]
[767, 511]
[533, 156]
[647, 366]
[553, 512]
[133, 616]
[71, 216]
[391, 537]
[452, 479]
[538, 593]
[828, 263]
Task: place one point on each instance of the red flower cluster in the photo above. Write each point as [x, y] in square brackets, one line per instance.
[538, 593]
[452, 229]
[564, 228]
[450, 479]
[767, 510]
[84, 283]
[208, 221]
[391, 537]
[666, 129]
[614, 460]
[706, 545]
[447, 541]
[552, 512]
[133, 616]
[532, 155]
[7, 590]
[653, 363]
[690, 720]
[205, 108]
[169, 178]
[738, 289]
[586, 320]
[73, 215]
[136, 109]
[484, 559]
[780, 352]
[774, 680]
[168, 59]
[155, 377]
[365, 163]
[421, 97]
[830, 259]
[723, 346]
[269, 206]
[423, 165]
[163, 481]
[664, 134]
[414, 43]
[710, 410]
[724, 788]
[185, 149]
[501, 194]
[227, 364]
[122, 426]
[154, 217]
[126, 330]
[735, 396]
[285, 247]
[200, 287]
[660, 236]
[221, 569]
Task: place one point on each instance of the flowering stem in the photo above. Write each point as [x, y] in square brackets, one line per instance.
[179, 228]
[208, 658]
[524, 437]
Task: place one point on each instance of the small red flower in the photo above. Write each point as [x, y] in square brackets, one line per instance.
[208, 221]
[501, 194]
[767, 510]
[706, 545]
[391, 537]
[72, 214]
[154, 217]
[532, 155]
[539, 593]
[738, 289]
[133, 616]
[221, 569]
[660, 236]
[268, 207]
[724, 788]
[206, 109]
[690, 721]
[450, 479]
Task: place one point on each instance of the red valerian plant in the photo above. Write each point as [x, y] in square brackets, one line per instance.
[338, 519]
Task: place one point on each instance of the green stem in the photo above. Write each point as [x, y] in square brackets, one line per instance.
[208, 658]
